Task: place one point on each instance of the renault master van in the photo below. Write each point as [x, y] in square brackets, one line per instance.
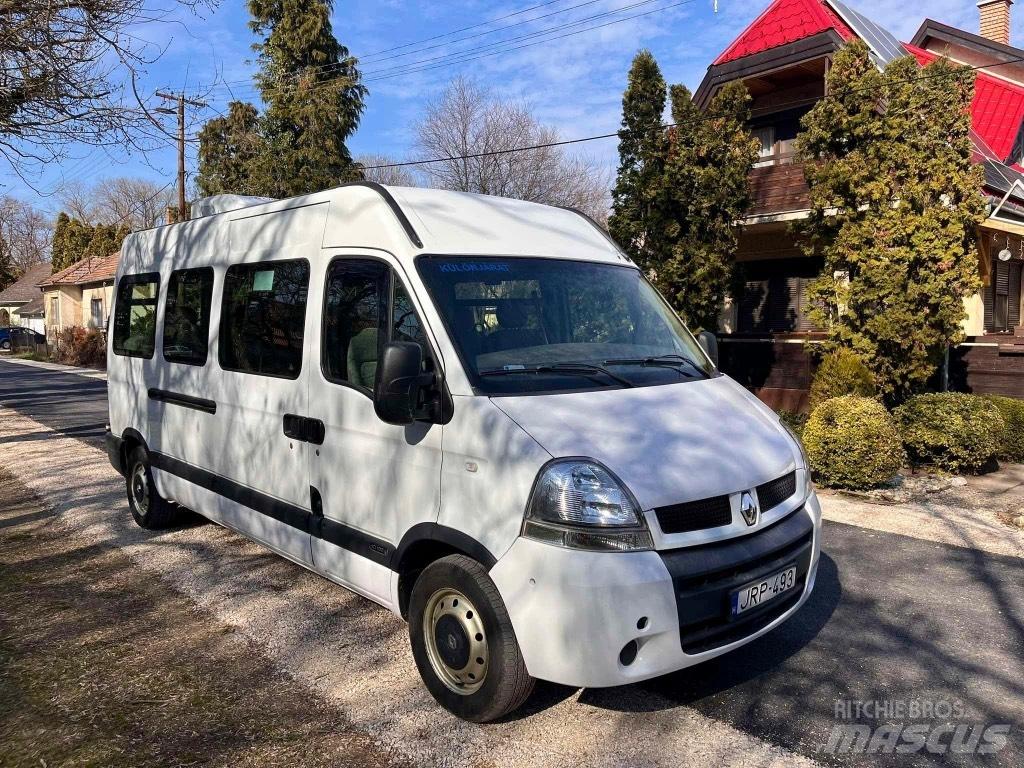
[476, 412]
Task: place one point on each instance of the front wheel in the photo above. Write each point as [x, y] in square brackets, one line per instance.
[150, 510]
[463, 641]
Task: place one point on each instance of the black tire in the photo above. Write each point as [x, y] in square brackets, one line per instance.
[150, 510]
[506, 684]
[5, 345]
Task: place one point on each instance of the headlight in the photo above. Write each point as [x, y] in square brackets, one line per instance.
[579, 504]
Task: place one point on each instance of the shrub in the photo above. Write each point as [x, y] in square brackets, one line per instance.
[81, 346]
[852, 442]
[1011, 447]
[954, 431]
[841, 373]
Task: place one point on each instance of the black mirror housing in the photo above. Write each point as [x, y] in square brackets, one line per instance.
[709, 343]
[399, 379]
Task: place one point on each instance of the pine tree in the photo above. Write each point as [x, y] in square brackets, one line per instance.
[895, 209]
[232, 153]
[313, 94]
[636, 222]
[706, 186]
[71, 238]
[314, 99]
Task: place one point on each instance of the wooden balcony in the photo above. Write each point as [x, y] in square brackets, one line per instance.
[778, 188]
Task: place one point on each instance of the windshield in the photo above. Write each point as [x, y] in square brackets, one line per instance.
[525, 325]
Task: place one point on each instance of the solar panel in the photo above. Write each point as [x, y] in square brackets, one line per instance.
[883, 44]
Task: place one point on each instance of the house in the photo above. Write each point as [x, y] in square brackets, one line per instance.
[783, 57]
[22, 295]
[80, 295]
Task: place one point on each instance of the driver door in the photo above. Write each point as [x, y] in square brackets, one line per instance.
[374, 481]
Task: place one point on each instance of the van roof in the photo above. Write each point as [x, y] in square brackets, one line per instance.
[406, 221]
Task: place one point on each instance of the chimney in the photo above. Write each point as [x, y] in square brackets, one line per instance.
[995, 20]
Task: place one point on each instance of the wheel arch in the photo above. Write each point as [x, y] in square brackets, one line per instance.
[425, 543]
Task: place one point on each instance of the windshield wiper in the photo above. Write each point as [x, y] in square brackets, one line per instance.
[569, 369]
[661, 361]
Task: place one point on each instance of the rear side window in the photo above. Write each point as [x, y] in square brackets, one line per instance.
[187, 316]
[262, 318]
[135, 315]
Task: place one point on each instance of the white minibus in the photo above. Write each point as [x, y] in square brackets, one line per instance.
[476, 412]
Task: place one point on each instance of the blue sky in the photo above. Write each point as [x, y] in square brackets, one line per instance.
[574, 83]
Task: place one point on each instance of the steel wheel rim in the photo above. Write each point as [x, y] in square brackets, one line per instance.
[140, 488]
[453, 630]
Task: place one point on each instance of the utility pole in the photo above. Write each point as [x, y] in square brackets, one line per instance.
[183, 214]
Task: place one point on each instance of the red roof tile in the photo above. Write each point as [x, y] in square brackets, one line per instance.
[785, 21]
[997, 110]
[86, 271]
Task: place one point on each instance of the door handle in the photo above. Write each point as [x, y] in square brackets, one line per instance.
[304, 429]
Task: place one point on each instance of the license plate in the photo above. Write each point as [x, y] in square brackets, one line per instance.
[760, 592]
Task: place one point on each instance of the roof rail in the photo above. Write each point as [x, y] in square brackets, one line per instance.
[381, 190]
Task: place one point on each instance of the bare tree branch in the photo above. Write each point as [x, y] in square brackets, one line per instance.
[469, 120]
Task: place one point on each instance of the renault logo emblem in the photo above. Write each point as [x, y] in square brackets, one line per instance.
[748, 508]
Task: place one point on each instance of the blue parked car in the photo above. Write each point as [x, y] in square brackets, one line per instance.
[14, 337]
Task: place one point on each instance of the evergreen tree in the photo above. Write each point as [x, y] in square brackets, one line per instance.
[637, 223]
[705, 192]
[106, 239]
[71, 238]
[895, 208]
[313, 94]
[232, 155]
[314, 99]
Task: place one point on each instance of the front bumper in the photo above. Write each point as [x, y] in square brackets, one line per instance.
[573, 612]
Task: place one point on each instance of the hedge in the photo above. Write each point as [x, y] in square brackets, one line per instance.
[841, 373]
[1011, 447]
[852, 442]
[953, 431]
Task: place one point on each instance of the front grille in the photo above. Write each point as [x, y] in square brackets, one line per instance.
[705, 576]
[695, 515]
[773, 493]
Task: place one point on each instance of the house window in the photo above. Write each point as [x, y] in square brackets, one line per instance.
[263, 318]
[775, 296]
[1003, 296]
[55, 311]
[96, 313]
[766, 155]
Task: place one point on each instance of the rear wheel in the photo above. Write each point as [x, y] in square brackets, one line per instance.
[5, 345]
[150, 510]
[463, 641]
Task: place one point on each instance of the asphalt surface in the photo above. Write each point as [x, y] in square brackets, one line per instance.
[892, 619]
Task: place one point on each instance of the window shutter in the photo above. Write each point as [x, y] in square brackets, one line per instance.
[1013, 314]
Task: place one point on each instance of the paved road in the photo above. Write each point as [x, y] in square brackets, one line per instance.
[893, 618]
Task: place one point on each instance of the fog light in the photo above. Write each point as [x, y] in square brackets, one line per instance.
[628, 653]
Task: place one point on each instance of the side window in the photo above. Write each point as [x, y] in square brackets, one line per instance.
[135, 315]
[187, 316]
[355, 306]
[262, 318]
[359, 319]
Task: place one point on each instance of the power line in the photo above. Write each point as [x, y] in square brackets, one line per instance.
[581, 140]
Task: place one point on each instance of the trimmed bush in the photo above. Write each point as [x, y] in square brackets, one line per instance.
[852, 442]
[841, 373]
[1011, 447]
[953, 431]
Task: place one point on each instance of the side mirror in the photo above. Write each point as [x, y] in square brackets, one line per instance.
[399, 379]
[709, 343]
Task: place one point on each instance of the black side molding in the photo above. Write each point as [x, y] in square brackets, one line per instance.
[308, 521]
[393, 205]
[113, 445]
[185, 401]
